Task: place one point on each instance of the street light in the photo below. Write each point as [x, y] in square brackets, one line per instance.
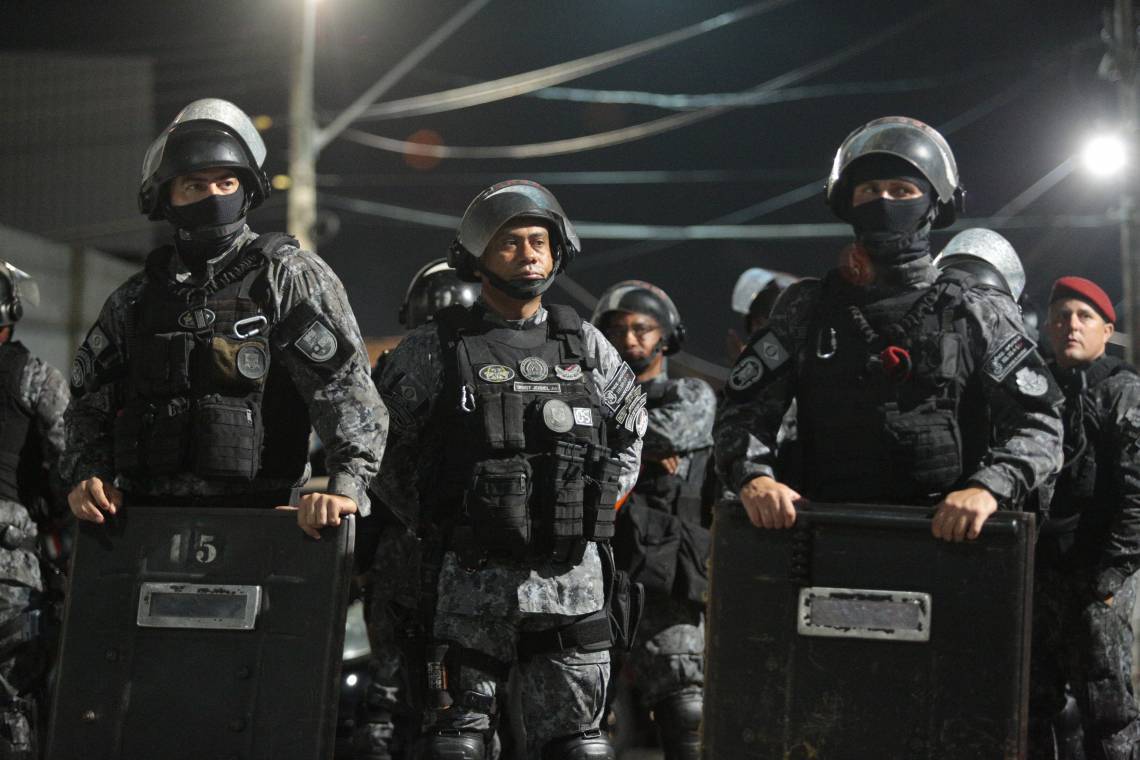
[1105, 155]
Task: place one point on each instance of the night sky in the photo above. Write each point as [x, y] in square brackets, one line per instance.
[1017, 79]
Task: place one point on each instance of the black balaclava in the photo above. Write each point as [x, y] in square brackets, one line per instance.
[894, 233]
[206, 229]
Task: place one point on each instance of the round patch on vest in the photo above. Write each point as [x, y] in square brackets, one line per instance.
[746, 373]
[568, 372]
[642, 423]
[1031, 382]
[197, 319]
[557, 416]
[534, 369]
[80, 369]
[252, 362]
[497, 373]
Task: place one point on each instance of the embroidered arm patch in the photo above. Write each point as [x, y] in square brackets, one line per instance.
[1008, 356]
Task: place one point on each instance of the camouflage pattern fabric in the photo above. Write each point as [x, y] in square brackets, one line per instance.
[669, 654]
[344, 408]
[1080, 640]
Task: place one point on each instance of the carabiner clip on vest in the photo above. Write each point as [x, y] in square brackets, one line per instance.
[467, 399]
[832, 344]
[250, 326]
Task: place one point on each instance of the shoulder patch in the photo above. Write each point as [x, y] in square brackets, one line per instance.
[745, 373]
[619, 386]
[1007, 356]
[771, 351]
[318, 343]
[1031, 382]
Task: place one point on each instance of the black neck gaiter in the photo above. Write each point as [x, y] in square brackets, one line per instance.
[206, 229]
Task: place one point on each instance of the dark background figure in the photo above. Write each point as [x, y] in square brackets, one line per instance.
[892, 366]
[662, 538]
[515, 429]
[33, 397]
[201, 379]
[387, 558]
[1089, 549]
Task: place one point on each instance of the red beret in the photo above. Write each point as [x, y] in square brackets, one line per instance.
[1087, 291]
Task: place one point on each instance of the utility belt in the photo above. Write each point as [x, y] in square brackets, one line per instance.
[510, 512]
[213, 437]
[613, 626]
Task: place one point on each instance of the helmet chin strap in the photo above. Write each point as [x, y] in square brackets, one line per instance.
[520, 291]
[642, 364]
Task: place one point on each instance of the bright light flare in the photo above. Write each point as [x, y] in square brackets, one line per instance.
[351, 680]
[1104, 155]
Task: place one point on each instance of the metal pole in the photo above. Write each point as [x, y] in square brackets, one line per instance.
[1124, 36]
[301, 215]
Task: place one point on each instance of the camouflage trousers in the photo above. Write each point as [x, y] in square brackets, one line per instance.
[392, 722]
[1080, 641]
[669, 654]
[22, 660]
[550, 695]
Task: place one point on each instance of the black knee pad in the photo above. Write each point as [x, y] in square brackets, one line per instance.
[678, 719]
[588, 745]
[467, 745]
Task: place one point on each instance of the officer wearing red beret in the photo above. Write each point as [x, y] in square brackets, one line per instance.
[1090, 546]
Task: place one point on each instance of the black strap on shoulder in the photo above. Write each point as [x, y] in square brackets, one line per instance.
[565, 326]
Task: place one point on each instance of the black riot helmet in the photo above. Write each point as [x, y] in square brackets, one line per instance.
[208, 133]
[639, 297]
[916, 143]
[493, 208]
[17, 289]
[436, 286]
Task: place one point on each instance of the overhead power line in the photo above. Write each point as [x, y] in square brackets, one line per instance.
[520, 84]
[636, 131]
[696, 232]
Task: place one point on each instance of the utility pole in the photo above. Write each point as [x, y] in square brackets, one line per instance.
[1124, 56]
[301, 214]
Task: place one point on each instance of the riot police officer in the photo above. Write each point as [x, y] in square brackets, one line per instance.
[988, 257]
[515, 429]
[894, 368]
[34, 396]
[199, 382]
[644, 325]
[1089, 549]
[388, 551]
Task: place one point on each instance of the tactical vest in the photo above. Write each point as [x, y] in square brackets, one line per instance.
[674, 495]
[526, 469]
[880, 389]
[201, 395]
[14, 419]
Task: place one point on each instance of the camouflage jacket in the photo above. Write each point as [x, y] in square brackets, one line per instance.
[45, 396]
[1024, 450]
[682, 423]
[344, 407]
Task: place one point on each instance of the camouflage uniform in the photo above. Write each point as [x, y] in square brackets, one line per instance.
[344, 408]
[42, 395]
[996, 362]
[669, 654]
[1088, 553]
[485, 609]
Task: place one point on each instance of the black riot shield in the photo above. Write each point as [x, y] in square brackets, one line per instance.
[857, 635]
[201, 633]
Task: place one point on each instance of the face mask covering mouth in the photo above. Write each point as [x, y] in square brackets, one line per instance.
[894, 231]
[207, 228]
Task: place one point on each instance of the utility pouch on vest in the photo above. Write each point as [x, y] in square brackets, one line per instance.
[228, 434]
[237, 366]
[925, 446]
[647, 545]
[503, 420]
[152, 437]
[497, 505]
[603, 485]
[625, 602]
[567, 490]
[162, 367]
